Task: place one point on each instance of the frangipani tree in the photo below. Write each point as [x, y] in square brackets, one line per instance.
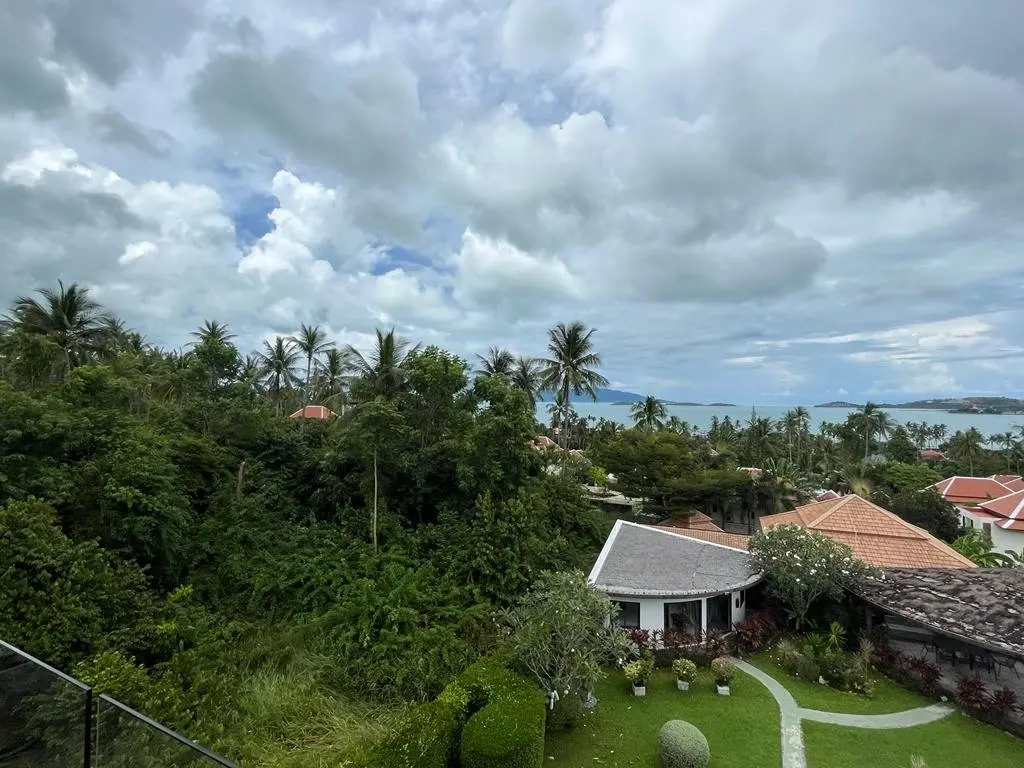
[801, 567]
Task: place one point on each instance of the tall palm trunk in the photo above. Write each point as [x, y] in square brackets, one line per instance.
[373, 519]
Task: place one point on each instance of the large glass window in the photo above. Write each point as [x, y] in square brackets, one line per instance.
[629, 614]
[719, 615]
[684, 616]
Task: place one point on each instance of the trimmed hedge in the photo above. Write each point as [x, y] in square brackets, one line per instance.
[682, 745]
[505, 727]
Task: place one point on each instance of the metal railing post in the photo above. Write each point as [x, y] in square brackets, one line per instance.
[87, 756]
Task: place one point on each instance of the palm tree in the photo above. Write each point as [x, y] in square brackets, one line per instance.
[497, 362]
[874, 422]
[331, 377]
[383, 373]
[856, 479]
[212, 331]
[648, 414]
[677, 425]
[569, 369]
[312, 342]
[966, 447]
[784, 483]
[526, 375]
[67, 317]
[251, 372]
[279, 361]
[1007, 442]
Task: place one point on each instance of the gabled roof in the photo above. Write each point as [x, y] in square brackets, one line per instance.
[718, 536]
[876, 535]
[645, 561]
[1013, 482]
[981, 605]
[828, 495]
[313, 412]
[693, 521]
[965, 489]
[930, 454]
[1008, 511]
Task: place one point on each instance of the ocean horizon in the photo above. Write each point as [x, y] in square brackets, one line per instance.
[700, 415]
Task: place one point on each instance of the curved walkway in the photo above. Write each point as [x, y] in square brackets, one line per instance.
[792, 714]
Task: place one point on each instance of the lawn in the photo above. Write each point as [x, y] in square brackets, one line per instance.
[956, 741]
[742, 729]
[888, 697]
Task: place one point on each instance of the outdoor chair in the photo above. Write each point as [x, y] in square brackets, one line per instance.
[1003, 661]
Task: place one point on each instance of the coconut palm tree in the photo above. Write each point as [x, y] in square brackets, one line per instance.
[497, 362]
[874, 422]
[312, 342]
[648, 414]
[784, 484]
[966, 447]
[1007, 441]
[331, 378]
[279, 361]
[76, 325]
[570, 367]
[526, 375]
[856, 480]
[250, 373]
[383, 372]
[212, 331]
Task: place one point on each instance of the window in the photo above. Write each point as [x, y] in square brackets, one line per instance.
[687, 617]
[629, 614]
[719, 615]
[988, 530]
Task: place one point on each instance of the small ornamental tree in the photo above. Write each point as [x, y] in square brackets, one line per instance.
[560, 634]
[802, 566]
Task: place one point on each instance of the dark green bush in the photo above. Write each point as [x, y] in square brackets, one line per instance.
[425, 739]
[508, 732]
[682, 745]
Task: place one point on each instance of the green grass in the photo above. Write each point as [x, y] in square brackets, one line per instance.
[955, 741]
[742, 729]
[888, 696]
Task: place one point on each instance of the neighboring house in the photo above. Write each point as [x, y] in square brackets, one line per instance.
[930, 454]
[543, 442]
[320, 412]
[1002, 520]
[754, 473]
[694, 521]
[662, 579]
[1013, 482]
[970, 491]
[876, 535]
[829, 495]
[733, 540]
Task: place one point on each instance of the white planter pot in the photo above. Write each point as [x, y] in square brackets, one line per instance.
[682, 685]
[639, 690]
[723, 690]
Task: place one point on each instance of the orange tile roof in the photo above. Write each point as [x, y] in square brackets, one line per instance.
[1016, 484]
[875, 535]
[959, 490]
[313, 412]
[695, 521]
[827, 496]
[1005, 479]
[734, 540]
[1010, 506]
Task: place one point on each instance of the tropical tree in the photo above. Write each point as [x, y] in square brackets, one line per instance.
[279, 361]
[785, 486]
[966, 447]
[648, 414]
[212, 331]
[331, 377]
[1007, 441]
[497, 362]
[570, 367]
[526, 376]
[312, 342]
[382, 373]
[873, 422]
[977, 547]
[74, 323]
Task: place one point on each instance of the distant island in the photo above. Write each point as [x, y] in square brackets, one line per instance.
[994, 405]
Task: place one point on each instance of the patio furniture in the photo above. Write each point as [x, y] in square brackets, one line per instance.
[1003, 661]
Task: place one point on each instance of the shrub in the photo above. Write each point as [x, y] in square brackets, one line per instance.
[685, 670]
[787, 655]
[1002, 704]
[755, 631]
[508, 732]
[807, 669]
[970, 693]
[682, 745]
[641, 638]
[424, 739]
[639, 671]
[723, 670]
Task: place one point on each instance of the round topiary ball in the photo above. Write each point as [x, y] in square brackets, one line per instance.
[683, 746]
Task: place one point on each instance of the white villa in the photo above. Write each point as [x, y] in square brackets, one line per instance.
[667, 580]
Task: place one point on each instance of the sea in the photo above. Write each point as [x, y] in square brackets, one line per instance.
[700, 415]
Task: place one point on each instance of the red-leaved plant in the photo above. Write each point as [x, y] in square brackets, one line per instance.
[970, 694]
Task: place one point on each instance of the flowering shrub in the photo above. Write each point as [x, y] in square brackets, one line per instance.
[723, 670]
[684, 670]
[639, 671]
[801, 567]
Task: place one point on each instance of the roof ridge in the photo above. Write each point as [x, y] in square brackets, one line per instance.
[835, 504]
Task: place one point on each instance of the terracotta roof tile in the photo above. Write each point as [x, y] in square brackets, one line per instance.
[313, 412]
[828, 496]
[1015, 485]
[960, 490]
[695, 521]
[734, 540]
[875, 535]
[1010, 506]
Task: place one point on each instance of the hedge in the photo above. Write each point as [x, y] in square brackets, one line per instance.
[509, 731]
[505, 727]
[682, 745]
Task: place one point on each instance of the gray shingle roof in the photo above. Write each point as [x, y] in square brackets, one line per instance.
[981, 605]
[643, 561]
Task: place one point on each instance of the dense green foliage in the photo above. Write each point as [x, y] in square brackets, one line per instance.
[682, 745]
[252, 579]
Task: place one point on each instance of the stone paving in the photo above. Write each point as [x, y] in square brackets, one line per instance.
[792, 715]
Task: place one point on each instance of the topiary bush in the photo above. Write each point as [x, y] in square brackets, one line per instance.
[682, 745]
[508, 731]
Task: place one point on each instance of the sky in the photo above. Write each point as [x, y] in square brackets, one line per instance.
[782, 202]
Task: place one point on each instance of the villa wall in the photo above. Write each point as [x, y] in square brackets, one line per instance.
[652, 610]
[1002, 539]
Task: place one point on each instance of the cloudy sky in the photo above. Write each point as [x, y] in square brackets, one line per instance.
[762, 202]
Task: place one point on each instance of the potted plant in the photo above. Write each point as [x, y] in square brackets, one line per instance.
[723, 670]
[686, 673]
[638, 672]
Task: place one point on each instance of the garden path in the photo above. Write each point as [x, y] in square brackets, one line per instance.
[792, 714]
